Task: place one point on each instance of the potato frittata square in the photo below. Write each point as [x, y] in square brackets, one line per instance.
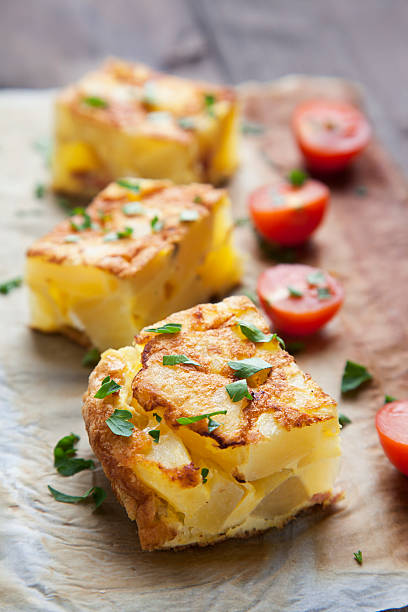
[128, 120]
[214, 432]
[141, 250]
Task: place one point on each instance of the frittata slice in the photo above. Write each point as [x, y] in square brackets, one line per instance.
[141, 250]
[128, 120]
[227, 435]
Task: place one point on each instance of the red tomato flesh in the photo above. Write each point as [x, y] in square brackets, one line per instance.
[321, 297]
[330, 134]
[287, 215]
[391, 422]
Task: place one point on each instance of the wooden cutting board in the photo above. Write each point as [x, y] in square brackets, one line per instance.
[61, 557]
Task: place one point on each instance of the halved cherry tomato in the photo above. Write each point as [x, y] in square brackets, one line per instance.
[391, 422]
[330, 133]
[287, 214]
[299, 299]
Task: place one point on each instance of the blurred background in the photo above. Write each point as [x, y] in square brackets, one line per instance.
[48, 43]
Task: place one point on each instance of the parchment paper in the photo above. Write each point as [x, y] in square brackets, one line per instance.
[60, 557]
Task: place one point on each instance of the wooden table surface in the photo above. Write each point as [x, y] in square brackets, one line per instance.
[47, 43]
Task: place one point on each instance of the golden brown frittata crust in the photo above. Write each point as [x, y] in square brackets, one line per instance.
[125, 256]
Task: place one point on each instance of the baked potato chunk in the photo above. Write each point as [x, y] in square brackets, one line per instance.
[141, 250]
[128, 120]
[203, 462]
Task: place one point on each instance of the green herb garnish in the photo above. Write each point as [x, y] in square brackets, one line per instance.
[64, 204]
[157, 417]
[212, 425]
[295, 346]
[64, 457]
[323, 293]
[156, 224]
[128, 184]
[198, 199]
[171, 360]
[297, 177]
[97, 493]
[344, 420]
[204, 474]
[155, 434]
[244, 368]
[253, 333]
[354, 375]
[72, 238]
[39, 190]
[8, 286]
[119, 235]
[86, 220]
[209, 101]
[186, 123]
[389, 398]
[238, 390]
[133, 208]
[107, 387]
[358, 556]
[188, 215]
[119, 423]
[294, 292]
[252, 127]
[168, 328]
[95, 101]
[316, 278]
[91, 358]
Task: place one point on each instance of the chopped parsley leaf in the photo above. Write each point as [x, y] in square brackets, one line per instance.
[197, 199]
[39, 190]
[97, 493]
[119, 235]
[244, 368]
[8, 286]
[294, 292]
[95, 101]
[188, 215]
[204, 474]
[64, 457]
[212, 425]
[128, 184]
[389, 398]
[252, 332]
[354, 375]
[133, 208]
[168, 328]
[86, 220]
[209, 101]
[72, 238]
[358, 556]
[91, 357]
[323, 293]
[171, 360]
[157, 417]
[297, 177]
[238, 390]
[155, 434]
[119, 423]
[316, 278]
[156, 224]
[107, 387]
[344, 420]
[295, 346]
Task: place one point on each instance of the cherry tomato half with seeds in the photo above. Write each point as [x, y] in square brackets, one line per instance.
[299, 299]
[329, 134]
[288, 214]
[391, 422]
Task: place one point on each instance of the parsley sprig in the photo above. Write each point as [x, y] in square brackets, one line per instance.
[119, 423]
[358, 556]
[168, 328]
[212, 425]
[253, 333]
[204, 474]
[95, 101]
[91, 358]
[65, 460]
[107, 387]
[238, 390]
[244, 368]
[11, 284]
[97, 493]
[129, 184]
[354, 376]
[171, 360]
[86, 222]
[119, 235]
